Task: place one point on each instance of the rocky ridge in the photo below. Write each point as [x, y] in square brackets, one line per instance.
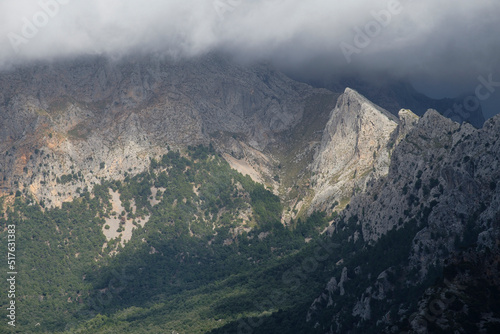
[442, 183]
[65, 126]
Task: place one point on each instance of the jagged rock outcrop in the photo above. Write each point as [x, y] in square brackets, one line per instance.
[100, 118]
[396, 95]
[65, 127]
[354, 149]
[442, 184]
[449, 168]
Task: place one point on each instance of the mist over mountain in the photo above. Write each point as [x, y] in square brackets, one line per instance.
[230, 166]
[442, 48]
[193, 194]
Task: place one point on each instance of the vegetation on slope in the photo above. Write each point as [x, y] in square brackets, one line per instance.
[194, 266]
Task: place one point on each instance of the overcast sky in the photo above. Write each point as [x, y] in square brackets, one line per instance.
[443, 46]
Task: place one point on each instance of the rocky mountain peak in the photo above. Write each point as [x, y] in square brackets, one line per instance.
[396, 95]
[354, 148]
[410, 194]
[352, 96]
[440, 201]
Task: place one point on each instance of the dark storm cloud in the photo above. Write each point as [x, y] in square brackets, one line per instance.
[437, 44]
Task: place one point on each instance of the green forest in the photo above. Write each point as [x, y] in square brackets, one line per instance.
[213, 256]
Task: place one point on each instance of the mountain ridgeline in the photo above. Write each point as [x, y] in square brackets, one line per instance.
[153, 195]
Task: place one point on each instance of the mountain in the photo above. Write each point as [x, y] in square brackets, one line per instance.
[154, 195]
[354, 149]
[442, 184]
[418, 243]
[396, 95]
[101, 119]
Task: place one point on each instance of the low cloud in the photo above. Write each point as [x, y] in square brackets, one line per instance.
[441, 45]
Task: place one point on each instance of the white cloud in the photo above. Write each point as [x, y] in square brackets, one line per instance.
[445, 39]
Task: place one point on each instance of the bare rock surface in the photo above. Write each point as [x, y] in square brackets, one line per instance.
[353, 150]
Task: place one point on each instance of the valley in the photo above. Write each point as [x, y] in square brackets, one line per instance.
[155, 195]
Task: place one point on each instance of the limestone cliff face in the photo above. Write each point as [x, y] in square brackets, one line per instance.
[443, 178]
[354, 149]
[442, 183]
[68, 125]
[449, 168]
[95, 118]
